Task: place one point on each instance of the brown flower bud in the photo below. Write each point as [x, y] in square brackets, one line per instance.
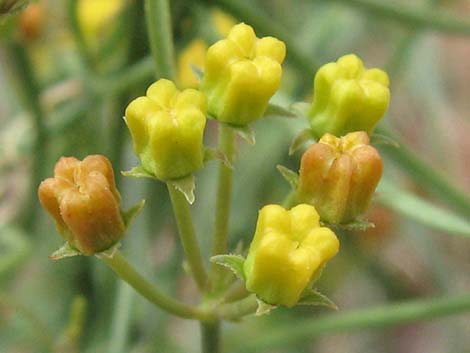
[84, 202]
[339, 176]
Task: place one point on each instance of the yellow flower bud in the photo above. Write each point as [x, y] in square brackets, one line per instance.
[84, 202]
[339, 176]
[347, 97]
[242, 72]
[288, 248]
[167, 128]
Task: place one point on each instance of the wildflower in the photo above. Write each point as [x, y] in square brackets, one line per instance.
[347, 97]
[84, 202]
[339, 176]
[167, 128]
[288, 248]
[241, 74]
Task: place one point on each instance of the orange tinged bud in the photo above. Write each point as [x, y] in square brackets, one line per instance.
[339, 176]
[84, 202]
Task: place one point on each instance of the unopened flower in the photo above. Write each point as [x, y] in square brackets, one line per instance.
[242, 73]
[338, 175]
[84, 202]
[167, 128]
[347, 97]
[288, 248]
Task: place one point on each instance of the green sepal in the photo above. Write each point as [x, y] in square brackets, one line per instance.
[313, 297]
[300, 140]
[211, 154]
[381, 139]
[109, 253]
[245, 132]
[186, 186]
[277, 111]
[138, 172]
[232, 262]
[64, 251]
[197, 71]
[289, 175]
[263, 307]
[129, 215]
[356, 225]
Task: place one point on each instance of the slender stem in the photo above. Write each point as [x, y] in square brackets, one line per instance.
[379, 317]
[158, 18]
[210, 337]
[188, 236]
[413, 16]
[223, 202]
[127, 273]
[121, 319]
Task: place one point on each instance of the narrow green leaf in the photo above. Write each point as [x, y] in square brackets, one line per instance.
[130, 214]
[289, 175]
[421, 210]
[186, 186]
[312, 297]
[138, 172]
[300, 140]
[211, 154]
[232, 262]
[65, 251]
[263, 307]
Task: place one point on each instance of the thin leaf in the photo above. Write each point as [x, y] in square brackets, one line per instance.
[312, 297]
[300, 140]
[289, 175]
[129, 215]
[263, 308]
[421, 211]
[246, 133]
[211, 154]
[65, 251]
[232, 262]
[138, 172]
[186, 186]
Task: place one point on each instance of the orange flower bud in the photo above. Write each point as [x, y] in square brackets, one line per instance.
[84, 202]
[339, 176]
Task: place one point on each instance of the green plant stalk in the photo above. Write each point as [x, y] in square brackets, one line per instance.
[158, 18]
[223, 203]
[238, 309]
[416, 168]
[423, 18]
[121, 317]
[374, 318]
[28, 91]
[128, 274]
[188, 236]
[210, 337]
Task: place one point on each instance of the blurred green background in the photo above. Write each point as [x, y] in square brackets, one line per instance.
[68, 70]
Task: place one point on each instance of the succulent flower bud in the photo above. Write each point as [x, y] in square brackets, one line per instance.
[242, 72]
[339, 176]
[288, 248]
[167, 127]
[84, 202]
[347, 97]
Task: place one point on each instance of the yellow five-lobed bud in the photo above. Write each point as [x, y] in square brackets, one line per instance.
[338, 175]
[167, 127]
[84, 202]
[288, 248]
[347, 97]
[242, 72]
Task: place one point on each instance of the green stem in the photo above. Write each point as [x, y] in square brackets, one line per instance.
[210, 337]
[414, 17]
[121, 319]
[223, 202]
[376, 318]
[158, 18]
[128, 274]
[188, 236]
[239, 309]
[28, 90]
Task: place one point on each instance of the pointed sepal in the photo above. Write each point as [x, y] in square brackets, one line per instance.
[263, 307]
[211, 154]
[300, 140]
[232, 262]
[65, 251]
[289, 175]
[186, 186]
[313, 297]
[129, 215]
[197, 71]
[138, 172]
[246, 133]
